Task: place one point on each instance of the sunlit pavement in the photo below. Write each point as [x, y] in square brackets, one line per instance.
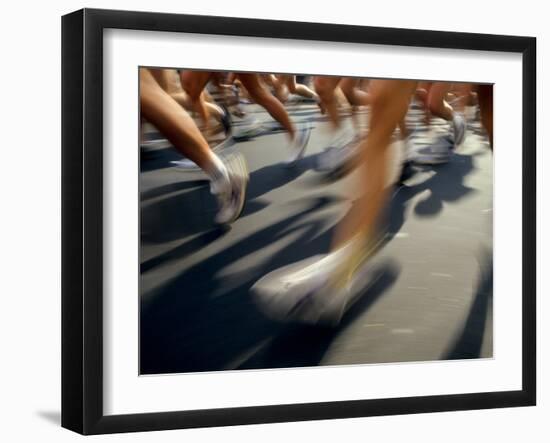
[431, 298]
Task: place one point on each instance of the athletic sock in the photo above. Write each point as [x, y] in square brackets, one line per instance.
[219, 177]
[347, 259]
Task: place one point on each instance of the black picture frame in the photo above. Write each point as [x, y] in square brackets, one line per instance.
[82, 220]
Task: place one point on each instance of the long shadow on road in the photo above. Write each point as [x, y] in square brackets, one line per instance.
[445, 185]
[206, 321]
[202, 321]
[170, 218]
[186, 327]
[299, 346]
[469, 340]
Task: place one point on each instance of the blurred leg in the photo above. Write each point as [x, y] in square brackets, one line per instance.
[389, 104]
[228, 181]
[194, 82]
[169, 80]
[485, 98]
[463, 96]
[325, 88]
[162, 77]
[278, 83]
[299, 89]
[436, 101]
[421, 95]
[173, 121]
[403, 130]
[438, 106]
[264, 98]
[354, 95]
[183, 100]
[321, 291]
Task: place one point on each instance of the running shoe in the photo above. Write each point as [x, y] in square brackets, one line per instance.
[187, 165]
[226, 120]
[436, 153]
[306, 292]
[153, 144]
[246, 128]
[343, 136]
[339, 160]
[299, 144]
[459, 129]
[300, 293]
[231, 194]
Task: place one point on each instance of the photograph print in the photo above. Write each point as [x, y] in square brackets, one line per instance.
[301, 220]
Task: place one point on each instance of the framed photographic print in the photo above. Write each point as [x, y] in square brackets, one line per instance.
[269, 221]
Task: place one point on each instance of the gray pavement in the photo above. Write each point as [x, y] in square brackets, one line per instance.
[431, 296]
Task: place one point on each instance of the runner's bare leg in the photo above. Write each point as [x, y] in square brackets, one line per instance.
[194, 82]
[389, 104]
[485, 98]
[259, 93]
[173, 121]
[325, 88]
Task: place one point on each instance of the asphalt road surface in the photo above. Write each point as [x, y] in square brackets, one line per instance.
[431, 298]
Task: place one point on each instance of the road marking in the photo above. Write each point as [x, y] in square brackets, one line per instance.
[440, 274]
[402, 331]
[401, 235]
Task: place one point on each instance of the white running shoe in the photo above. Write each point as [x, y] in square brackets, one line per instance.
[335, 159]
[437, 153]
[459, 129]
[299, 144]
[300, 293]
[151, 145]
[342, 136]
[303, 293]
[247, 127]
[231, 193]
[186, 165]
